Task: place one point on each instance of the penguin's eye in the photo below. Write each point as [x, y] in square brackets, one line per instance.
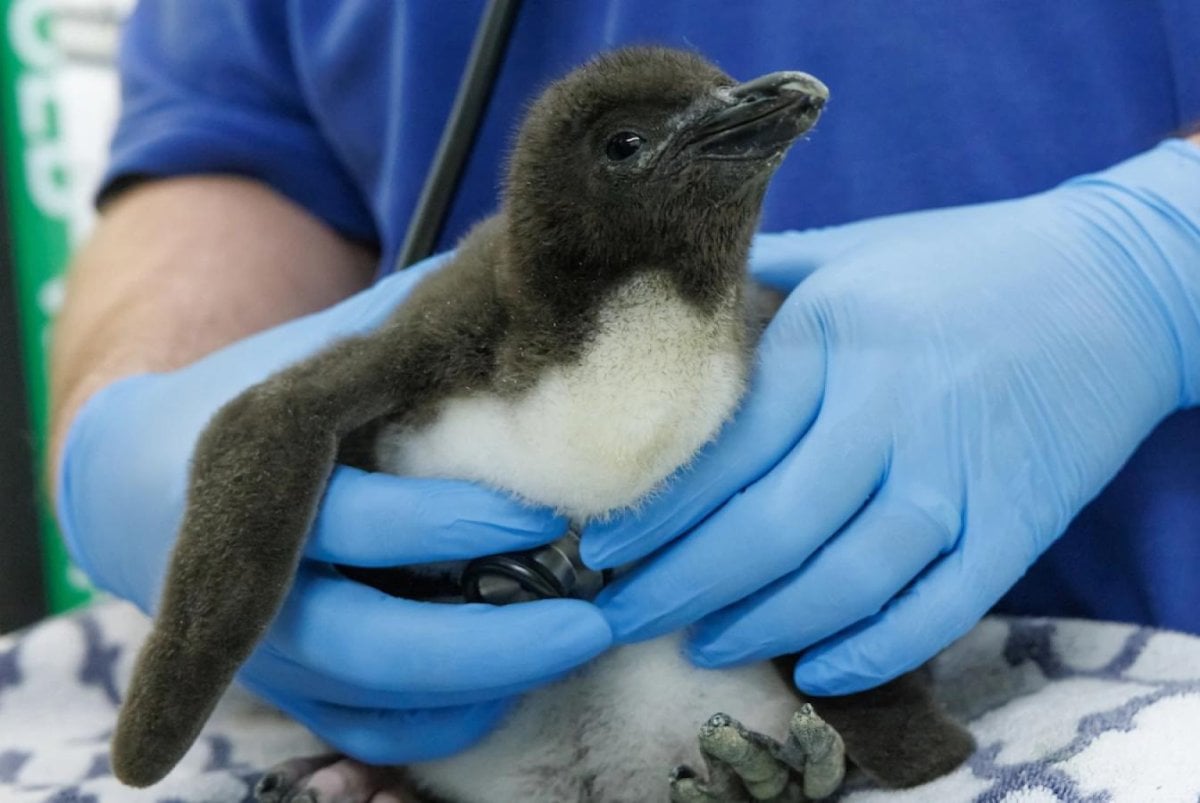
[623, 145]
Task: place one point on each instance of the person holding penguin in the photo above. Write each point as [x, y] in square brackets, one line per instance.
[979, 391]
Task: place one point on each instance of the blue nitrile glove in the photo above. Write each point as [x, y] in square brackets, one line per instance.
[932, 406]
[385, 680]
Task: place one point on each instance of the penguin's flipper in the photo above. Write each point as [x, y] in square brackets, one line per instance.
[258, 472]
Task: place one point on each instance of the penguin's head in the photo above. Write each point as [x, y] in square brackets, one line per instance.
[651, 146]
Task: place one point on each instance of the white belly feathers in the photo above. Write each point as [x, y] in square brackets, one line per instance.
[654, 383]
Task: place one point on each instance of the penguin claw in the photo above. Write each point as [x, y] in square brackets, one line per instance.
[748, 767]
[819, 750]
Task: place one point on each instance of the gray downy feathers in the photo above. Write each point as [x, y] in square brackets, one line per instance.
[580, 346]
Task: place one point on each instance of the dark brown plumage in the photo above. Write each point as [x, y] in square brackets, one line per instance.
[520, 296]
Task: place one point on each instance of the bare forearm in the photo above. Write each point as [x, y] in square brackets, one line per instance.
[180, 267]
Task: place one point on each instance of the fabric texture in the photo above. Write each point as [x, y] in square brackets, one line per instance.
[340, 105]
[1062, 710]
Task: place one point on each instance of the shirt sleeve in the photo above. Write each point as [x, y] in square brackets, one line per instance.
[207, 86]
[1181, 25]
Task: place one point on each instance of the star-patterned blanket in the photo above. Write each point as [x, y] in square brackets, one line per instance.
[1062, 710]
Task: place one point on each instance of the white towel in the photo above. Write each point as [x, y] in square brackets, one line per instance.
[1063, 710]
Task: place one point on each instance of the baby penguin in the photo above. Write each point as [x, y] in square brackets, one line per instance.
[581, 345]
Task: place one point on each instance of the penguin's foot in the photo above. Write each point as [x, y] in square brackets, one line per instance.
[331, 779]
[745, 766]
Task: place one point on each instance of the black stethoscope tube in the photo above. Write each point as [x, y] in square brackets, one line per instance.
[474, 91]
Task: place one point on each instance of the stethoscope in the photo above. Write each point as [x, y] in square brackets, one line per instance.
[554, 570]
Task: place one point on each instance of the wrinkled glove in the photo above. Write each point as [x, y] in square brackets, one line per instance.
[931, 408]
[385, 680]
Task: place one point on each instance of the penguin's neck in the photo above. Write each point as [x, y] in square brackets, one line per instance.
[615, 366]
[562, 282]
[651, 380]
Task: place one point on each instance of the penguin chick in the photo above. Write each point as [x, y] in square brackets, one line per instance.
[580, 346]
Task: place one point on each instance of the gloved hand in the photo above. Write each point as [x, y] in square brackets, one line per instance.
[931, 408]
[385, 680]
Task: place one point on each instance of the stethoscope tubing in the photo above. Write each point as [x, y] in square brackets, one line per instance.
[458, 136]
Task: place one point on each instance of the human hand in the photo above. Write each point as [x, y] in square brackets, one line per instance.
[385, 680]
[931, 408]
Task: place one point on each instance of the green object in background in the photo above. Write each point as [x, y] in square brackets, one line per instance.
[36, 166]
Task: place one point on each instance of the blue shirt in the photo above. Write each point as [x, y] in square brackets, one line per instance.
[339, 106]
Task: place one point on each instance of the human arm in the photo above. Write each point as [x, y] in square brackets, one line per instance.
[932, 407]
[163, 280]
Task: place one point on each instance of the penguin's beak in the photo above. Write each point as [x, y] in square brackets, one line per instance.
[758, 119]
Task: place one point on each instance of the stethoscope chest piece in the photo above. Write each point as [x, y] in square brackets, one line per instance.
[553, 571]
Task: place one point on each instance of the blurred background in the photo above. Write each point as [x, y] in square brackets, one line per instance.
[60, 99]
